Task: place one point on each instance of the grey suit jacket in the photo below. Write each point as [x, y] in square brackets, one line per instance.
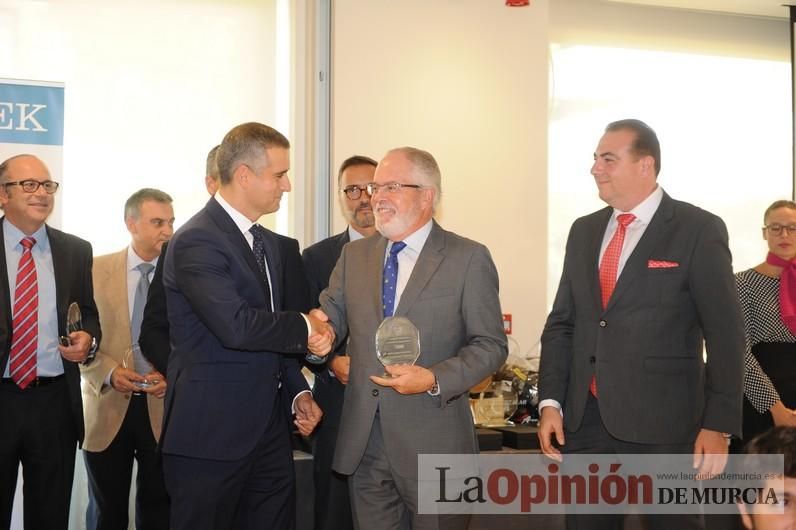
[452, 297]
[646, 346]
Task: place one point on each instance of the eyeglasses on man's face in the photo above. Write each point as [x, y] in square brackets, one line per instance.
[30, 185]
[354, 192]
[777, 229]
[390, 187]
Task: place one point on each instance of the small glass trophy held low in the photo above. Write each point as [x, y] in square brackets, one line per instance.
[397, 342]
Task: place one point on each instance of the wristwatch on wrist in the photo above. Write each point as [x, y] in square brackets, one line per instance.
[92, 352]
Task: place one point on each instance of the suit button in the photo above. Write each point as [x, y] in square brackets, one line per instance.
[375, 392]
[603, 323]
[127, 396]
[592, 359]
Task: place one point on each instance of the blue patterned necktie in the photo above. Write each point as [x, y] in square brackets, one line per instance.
[390, 275]
[258, 247]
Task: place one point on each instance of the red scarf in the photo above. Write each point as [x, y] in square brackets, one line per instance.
[787, 290]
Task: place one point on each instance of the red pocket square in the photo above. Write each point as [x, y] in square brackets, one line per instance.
[661, 264]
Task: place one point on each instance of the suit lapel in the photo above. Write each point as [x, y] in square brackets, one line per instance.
[374, 269]
[4, 279]
[427, 264]
[595, 239]
[233, 234]
[117, 274]
[62, 272]
[5, 303]
[636, 264]
[274, 258]
[341, 241]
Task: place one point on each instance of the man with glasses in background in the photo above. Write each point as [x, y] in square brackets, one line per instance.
[447, 286]
[332, 505]
[42, 271]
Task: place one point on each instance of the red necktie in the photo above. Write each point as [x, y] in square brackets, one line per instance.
[609, 265]
[25, 325]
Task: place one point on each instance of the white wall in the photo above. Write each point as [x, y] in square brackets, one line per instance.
[150, 87]
[467, 81]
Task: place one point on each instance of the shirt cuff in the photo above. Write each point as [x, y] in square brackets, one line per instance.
[293, 405]
[307, 321]
[107, 380]
[550, 403]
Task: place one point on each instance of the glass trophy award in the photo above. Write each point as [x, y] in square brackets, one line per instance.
[493, 406]
[397, 342]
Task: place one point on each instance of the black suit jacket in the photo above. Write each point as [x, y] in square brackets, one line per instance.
[646, 347]
[229, 350]
[319, 261]
[154, 337]
[72, 259]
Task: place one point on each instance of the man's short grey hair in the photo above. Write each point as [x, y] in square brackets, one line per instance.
[132, 208]
[211, 167]
[426, 169]
[247, 144]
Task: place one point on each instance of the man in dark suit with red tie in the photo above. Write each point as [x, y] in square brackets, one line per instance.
[646, 282]
[42, 271]
[332, 504]
[236, 336]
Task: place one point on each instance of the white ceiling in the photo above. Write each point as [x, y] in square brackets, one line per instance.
[763, 8]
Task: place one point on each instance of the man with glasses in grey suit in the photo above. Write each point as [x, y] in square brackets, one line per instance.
[447, 286]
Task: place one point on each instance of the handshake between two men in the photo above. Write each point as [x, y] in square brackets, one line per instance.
[319, 343]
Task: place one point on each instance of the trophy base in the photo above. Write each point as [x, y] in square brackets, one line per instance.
[495, 423]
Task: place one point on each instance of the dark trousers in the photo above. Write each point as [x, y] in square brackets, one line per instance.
[254, 493]
[109, 474]
[593, 438]
[332, 504]
[38, 430]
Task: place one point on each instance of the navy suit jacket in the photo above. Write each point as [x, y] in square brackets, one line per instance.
[154, 337]
[72, 259]
[646, 346]
[231, 355]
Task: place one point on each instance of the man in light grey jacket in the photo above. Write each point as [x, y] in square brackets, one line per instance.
[447, 286]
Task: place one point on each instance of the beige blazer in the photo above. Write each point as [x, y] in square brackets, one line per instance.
[103, 407]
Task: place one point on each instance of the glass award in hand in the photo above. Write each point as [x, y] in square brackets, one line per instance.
[397, 342]
[128, 361]
[74, 322]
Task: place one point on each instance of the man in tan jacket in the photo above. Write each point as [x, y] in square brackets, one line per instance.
[122, 392]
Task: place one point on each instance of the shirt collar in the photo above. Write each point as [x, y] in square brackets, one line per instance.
[134, 260]
[417, 239]
[353, 235]
[647, 208]
[13, 235]
[241, 221]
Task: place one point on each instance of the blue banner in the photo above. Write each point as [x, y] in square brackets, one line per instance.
[31, 113]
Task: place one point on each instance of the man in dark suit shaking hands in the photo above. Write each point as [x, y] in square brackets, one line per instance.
[646, 282]
[236, 335]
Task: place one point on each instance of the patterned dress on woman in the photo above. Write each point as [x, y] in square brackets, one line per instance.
[770, 373]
